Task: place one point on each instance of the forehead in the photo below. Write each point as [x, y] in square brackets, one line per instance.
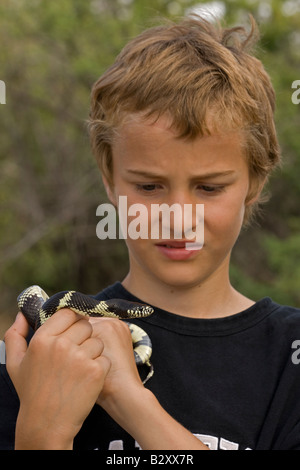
[142, 142]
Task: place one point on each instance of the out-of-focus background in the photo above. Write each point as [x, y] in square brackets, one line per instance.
[50, 55]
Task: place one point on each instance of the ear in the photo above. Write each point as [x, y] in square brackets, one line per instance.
[255, 188]
[109, 190]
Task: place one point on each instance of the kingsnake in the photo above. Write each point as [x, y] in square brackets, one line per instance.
[37, 307]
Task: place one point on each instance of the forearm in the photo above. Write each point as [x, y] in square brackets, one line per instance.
[149, 424]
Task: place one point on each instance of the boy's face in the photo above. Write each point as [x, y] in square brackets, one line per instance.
[152, 166]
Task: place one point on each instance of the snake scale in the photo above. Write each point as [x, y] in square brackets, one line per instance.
[37, 307]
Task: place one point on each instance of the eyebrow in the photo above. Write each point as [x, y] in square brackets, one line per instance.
[149, 174]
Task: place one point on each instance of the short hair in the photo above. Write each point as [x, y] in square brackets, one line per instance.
[205, 77]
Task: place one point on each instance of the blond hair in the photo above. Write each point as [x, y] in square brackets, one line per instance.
[202, 75]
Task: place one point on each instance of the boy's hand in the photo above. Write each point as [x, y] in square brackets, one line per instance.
[57, 377]
[123, 373]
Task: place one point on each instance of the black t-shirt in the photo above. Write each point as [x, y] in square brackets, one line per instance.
[233, 382]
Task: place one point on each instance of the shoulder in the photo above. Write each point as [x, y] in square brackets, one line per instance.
[282, 326]
[284, 315]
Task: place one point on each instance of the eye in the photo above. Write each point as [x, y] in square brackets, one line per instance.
[211, 188]
[147, 188]
[208, 189]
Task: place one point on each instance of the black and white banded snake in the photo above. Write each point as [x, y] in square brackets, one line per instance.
[37, 307]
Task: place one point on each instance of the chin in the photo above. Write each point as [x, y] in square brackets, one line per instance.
[181, 281]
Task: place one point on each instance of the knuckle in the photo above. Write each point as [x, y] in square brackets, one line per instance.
[85, 327]
[79, 356]
[85, 324]
[109, 328]
[67, 312]
[107, 325]
[99, 368]
[61, 345]
[99, 343]
[38, 341]
[117, 324]
[93, 371]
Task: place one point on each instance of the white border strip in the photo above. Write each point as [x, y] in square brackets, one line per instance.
[2, 353]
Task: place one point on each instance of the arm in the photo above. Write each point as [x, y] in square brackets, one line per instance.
[57, 378]
[141, 415]
[129, 403]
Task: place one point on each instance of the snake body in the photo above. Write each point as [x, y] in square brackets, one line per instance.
[37, 307]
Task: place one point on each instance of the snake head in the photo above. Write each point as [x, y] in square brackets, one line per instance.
[125, 309]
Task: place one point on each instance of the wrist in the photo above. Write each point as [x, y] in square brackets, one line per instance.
[121, 399]
[136, 410]
[141, 415]
[127, 403]
[34, 435]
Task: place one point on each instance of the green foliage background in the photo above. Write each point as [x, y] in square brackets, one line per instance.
[50, 55]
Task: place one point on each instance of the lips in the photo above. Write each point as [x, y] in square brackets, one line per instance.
[176, 250]
[173, 244]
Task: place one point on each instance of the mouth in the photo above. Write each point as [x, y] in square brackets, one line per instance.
[178, 250]
[184, 244]
[173, 244]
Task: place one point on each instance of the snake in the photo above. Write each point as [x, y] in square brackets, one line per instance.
[38, 307]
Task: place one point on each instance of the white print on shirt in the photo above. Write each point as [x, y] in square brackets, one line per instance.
[214, 443]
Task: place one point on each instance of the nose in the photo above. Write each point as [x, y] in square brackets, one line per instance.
[178, 217]
[185, 214]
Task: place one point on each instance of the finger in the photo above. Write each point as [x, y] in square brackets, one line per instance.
[92, 347]
[61, 321]
[79, 331]
[107, 328]
[15, 342]
[105, 365]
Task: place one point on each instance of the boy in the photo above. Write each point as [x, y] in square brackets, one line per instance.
[185, 115]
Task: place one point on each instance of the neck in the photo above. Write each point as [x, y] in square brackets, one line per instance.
[212, 298]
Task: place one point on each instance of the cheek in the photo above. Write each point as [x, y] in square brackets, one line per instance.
[225, 220]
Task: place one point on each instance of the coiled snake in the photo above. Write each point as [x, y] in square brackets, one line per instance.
[37, 307]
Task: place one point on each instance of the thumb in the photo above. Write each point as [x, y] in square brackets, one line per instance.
[16, 344]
